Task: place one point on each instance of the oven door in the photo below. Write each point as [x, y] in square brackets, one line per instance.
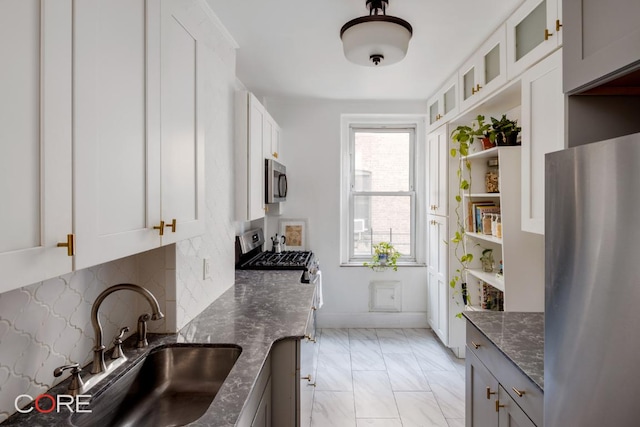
[275, 182]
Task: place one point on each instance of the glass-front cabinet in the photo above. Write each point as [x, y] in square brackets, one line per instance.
[444, 104]
[533, 32]
[485, 71]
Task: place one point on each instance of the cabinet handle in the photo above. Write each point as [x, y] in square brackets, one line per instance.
[547, 34]
[160, 228]
[308, 337]
[558, 25]
[489, 393]
[473, 91]
[478, 87]
[308, 378]
[518, 392]
[172, 225]
[498, 406]
[476, 346]
[313, 308]
[275, 154]
[70, 244]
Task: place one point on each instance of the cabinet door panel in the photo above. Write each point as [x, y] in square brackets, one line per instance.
[543, 132]
[256, 196]
[116, 184]
[481, 393]
[602, 37]
[182, 146]
[433, 315]
[511, 415]
[526, 39]
[35, 130]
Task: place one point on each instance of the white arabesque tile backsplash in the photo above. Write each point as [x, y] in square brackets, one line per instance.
[48, 324]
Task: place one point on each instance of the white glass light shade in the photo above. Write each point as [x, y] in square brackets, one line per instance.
[369, 38]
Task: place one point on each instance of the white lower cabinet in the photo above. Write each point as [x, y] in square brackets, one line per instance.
[542, 133]
[437, 273]
[35, 130]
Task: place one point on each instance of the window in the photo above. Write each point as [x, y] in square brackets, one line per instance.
[379, 189]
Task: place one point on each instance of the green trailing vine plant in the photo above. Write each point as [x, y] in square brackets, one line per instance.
[384, 256]
[462, 137]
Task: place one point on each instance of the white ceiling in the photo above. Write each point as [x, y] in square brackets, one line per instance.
[292, 48]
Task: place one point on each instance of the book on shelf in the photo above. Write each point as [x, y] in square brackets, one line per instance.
[491, 298]
[480, 211]
[471, 213]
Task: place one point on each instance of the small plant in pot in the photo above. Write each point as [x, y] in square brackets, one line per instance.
[504, 131]
[384, 256]
[464, 135]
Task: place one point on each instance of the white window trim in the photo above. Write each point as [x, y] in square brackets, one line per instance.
[417, 121]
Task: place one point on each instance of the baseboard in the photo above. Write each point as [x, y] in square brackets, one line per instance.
[372, 320]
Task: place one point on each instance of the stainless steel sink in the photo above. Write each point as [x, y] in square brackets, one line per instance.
[174, 385]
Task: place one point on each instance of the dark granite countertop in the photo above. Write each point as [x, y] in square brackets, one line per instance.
[260, 309]
[519, 336]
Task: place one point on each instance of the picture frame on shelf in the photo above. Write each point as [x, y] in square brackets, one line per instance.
[295, 233]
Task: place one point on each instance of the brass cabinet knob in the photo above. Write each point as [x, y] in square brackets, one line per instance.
[476, 346]
[70, 244]
[160, 228]
[558, 25]
[308, 337]
[498, 406]
[172, 225]
[275, 154]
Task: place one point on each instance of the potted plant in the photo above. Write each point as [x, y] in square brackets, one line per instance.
[464, 136]
[384, 256]
[504, 131]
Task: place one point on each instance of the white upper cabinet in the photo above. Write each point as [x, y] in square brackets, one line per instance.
[35, 130]
[444, 104]
[542, 133]
[182, 135]
[270, 137]
[533, 31]
[257, 139]
[116, 125]
[438, 195]
[604, 37]
[485, 71]
[250, 190]
[139, 142]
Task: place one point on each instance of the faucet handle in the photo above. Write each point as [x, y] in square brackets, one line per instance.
[76, 384]
[142, 330]
[117, 344]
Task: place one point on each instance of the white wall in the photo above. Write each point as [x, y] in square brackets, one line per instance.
[311, 151]
[47, 324]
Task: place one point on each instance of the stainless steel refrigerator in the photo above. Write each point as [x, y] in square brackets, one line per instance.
[592, 292]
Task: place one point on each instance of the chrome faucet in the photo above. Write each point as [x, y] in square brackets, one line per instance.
[98, 350]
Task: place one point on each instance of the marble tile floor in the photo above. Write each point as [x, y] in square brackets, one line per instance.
[386, 378]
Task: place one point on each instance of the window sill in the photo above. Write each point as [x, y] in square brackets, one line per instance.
[399, 264]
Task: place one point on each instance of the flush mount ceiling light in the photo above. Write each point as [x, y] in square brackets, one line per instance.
[377, 39]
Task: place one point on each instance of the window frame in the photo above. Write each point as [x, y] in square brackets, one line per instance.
[351, 124]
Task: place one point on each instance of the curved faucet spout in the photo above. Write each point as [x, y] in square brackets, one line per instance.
[98, 350]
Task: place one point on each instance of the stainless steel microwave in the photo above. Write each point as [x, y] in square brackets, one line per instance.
[275, 182]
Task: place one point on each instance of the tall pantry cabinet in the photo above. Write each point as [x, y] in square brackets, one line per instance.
[441, 302]
[102, 112]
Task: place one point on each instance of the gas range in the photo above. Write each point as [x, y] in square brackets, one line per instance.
[251, 257]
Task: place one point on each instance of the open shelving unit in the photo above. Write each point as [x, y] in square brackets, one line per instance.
[520, 252]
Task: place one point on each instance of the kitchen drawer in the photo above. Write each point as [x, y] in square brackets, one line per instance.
[507, 374]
